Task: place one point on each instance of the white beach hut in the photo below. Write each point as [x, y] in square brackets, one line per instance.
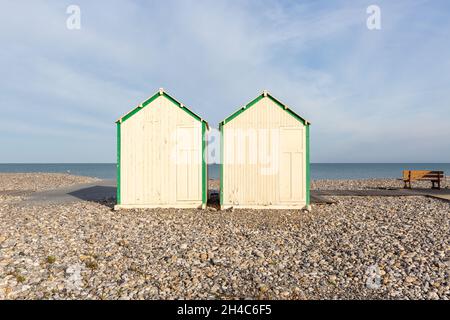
[160, 163]
[264, 157]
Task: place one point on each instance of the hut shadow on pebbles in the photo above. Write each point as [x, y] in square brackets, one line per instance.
[104, 195]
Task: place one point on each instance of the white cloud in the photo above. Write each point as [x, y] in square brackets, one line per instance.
[366, 92]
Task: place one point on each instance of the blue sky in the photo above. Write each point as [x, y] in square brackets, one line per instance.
[372, 96]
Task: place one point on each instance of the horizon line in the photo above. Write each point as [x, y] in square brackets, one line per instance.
[32, 163]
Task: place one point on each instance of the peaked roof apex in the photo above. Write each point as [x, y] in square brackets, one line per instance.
[159, 93]
[264, 94]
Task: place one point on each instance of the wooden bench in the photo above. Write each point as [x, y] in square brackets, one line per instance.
[423, 175]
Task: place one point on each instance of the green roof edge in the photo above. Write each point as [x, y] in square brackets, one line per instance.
[261, 96]
[167, 96]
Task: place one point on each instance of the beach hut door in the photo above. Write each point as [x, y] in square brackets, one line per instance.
[188, 164]
[291, 164]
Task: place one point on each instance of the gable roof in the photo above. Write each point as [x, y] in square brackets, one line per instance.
[265, 94]
[160, 93]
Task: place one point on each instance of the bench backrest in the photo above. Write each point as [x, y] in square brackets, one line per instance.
[422, 174]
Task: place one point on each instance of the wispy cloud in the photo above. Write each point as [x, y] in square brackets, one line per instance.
[368, 93]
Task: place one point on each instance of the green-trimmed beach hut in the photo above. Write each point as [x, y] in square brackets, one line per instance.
[160, 163]
[265, 157]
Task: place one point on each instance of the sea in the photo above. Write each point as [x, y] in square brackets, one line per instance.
[318, 170]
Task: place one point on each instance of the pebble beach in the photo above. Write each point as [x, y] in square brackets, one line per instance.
[16, 186]
[356, 248]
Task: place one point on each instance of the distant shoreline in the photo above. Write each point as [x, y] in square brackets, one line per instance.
[331, 171]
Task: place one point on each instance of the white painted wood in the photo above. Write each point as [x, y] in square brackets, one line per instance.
[154, 206]
[292, 165]
[188, 152]
[268, 207]
[152, 142]
[264, 159]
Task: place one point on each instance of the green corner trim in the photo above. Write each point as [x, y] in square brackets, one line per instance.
[204, 168]
[308, 176]
[118, 162]
[221, 164]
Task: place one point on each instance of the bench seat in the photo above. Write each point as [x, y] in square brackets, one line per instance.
[435, 177]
